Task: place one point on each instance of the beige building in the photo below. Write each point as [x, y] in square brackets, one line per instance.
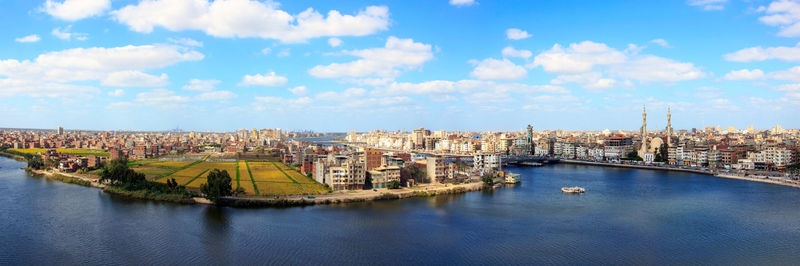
[383, 175]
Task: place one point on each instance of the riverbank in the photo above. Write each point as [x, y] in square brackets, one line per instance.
[287, 201]
[355, 196]
[649, 167]
[12, 156]
[762, 179]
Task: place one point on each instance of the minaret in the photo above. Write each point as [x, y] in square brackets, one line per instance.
[644, 132]
[669, 128]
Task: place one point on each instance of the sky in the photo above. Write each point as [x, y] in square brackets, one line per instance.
[335, 66]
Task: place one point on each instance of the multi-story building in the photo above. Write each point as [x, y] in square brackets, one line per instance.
[382, 175]
[343, 172]
[486, 163]
[436, 169]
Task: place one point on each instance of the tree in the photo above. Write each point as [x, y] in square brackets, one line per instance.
[118, 173]
[35, 162]
[488, 179]
[217, 186]
[412, 171]
[172, 185]
[393, 184]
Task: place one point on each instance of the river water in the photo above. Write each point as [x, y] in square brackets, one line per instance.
[627, 216]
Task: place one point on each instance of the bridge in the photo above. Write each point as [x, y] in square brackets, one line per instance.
[528, 160]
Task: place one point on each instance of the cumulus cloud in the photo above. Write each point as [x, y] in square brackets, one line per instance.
[587, 56]
[494, 69]
[131, 78]
[76, 9]
[708, 4]
[299, 90]
[186, 42]
[745, 74]
[96, 62]
[334, 42]
[39, 88]
[216, 96]
[269, 79]
[116, 93]
[201, 85]
[462, 2]
[759, 53]
[511, 52]
[517, 34]
[590, 80]
[389, 61]
[784, 14]
[67, 34]
[45, 75]
[661, 42]
[248, 18]
[792, 74]
[160, 97]
[29, 38]
[443, 87]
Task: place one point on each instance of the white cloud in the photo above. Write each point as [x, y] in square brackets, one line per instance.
[656, 69]
[494, 69]
[160, 97]
[76, 9]
[661, 42]
[29, 38]
[745, 74]
[789, 87]
[517, 34]
[216, 96]
[247, 18]
[462, 2]
[116, 93]
[270, 79]
[66, 34]
[577, 58]
[759, 53]
[784, 14]
[511, 52]
[389, 61]
[440, 87]
[201, 85]
[792, 74]
[299, 90]
[589, 56]
[707, 93]
[186, 42]
[590, 80]
[266, 51]
[334, 42]
[95, 63]
[132, 78]
[37, 88]
[708, 4]
[284, 53]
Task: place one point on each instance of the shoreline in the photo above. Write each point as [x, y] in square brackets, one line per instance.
[773, 181]
[284, 201]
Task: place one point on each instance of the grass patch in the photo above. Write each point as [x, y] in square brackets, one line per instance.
[71, 180]
[149, 195]
[255, 187]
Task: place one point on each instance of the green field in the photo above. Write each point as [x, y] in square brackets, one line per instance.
[256, 178]
[79, 152]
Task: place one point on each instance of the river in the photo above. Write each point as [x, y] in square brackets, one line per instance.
[627, 216]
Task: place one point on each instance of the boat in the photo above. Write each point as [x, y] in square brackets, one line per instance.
[573, 190]
[511, 178]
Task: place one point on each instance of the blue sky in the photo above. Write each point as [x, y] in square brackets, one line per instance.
[358, 65]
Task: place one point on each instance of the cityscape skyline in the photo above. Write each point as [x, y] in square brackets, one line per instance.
[337, 67]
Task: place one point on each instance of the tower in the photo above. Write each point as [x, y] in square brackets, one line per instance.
[643, 133]
[669, 128]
